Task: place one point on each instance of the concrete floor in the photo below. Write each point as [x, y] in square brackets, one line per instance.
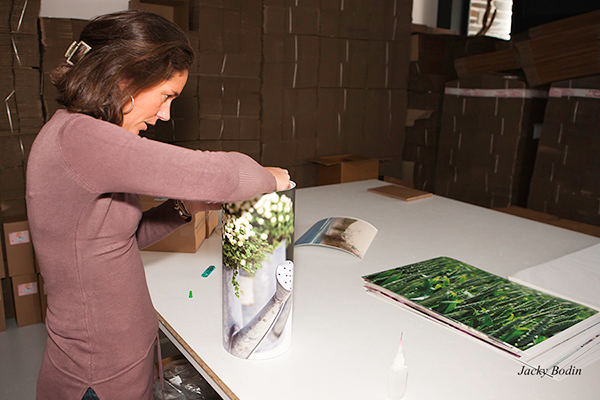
[21, 351]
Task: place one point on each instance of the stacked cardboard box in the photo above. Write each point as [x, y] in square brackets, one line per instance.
[285, 81]
[20, 90]
[575, 51]
[487, 144]
[423, 124]
[432, 65]
[174, 10]
[57, 34]
[559, 50]
[22, 272]
[566, 179]
[2, 275]
[220, 106]
[334, 82]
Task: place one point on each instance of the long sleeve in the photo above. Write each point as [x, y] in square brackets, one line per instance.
[109, 159]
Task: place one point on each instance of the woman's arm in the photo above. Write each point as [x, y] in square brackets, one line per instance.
[106, 158]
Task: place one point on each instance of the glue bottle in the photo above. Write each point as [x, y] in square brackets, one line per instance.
[397, 376]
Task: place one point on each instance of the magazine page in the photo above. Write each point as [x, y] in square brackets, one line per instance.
[505, 314]
[575, 276]
[348, 234]
[575, 352]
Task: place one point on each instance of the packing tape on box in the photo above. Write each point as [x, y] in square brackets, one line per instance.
[295, 48]
[10, 121]
[500, 93]
[387, 64]
[223, 64]
[347, 50]
[295, 76]
[22, 16]
[12, 129]
[576, 92]
[16, 51]
[293, 127]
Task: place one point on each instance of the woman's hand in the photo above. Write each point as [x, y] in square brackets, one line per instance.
[282, 176]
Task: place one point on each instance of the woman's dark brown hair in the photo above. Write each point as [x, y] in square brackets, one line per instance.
[130, 51]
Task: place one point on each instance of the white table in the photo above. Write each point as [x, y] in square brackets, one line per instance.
[344, 339]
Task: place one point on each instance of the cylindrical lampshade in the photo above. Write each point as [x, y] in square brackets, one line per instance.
[258, 246]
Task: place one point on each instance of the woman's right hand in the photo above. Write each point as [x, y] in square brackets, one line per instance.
[282, 176]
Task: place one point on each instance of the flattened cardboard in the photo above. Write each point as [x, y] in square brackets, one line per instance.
[26, 295]
[19, 249]
[400, 192]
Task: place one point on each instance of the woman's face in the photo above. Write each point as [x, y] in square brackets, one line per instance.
[153, 104]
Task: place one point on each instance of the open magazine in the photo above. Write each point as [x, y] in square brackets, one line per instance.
[348, 234]
[539, 329]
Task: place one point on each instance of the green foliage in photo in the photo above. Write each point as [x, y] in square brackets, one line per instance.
[254, 228]
[495, 306]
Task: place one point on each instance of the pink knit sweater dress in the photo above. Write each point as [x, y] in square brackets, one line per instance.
[83, 177]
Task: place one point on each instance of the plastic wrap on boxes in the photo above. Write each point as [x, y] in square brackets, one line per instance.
[183, 382]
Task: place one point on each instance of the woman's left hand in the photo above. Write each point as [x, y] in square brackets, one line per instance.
[197, 206]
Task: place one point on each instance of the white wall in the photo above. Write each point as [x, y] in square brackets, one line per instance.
[80, 9]
[424, 12]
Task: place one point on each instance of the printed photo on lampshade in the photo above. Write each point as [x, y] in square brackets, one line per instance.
[258, 275]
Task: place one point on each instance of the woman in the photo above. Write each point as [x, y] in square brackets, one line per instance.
[85, 169]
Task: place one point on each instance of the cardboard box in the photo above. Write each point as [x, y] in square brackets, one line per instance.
[175, 11]
[2, 316]
[26, 295]
[212, 220]
[43, 297]
[19, 249]
[185, 239]
[487, 142]
[345, 168]
[566, 177]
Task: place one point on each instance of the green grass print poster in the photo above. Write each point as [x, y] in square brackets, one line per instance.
[509, 312]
